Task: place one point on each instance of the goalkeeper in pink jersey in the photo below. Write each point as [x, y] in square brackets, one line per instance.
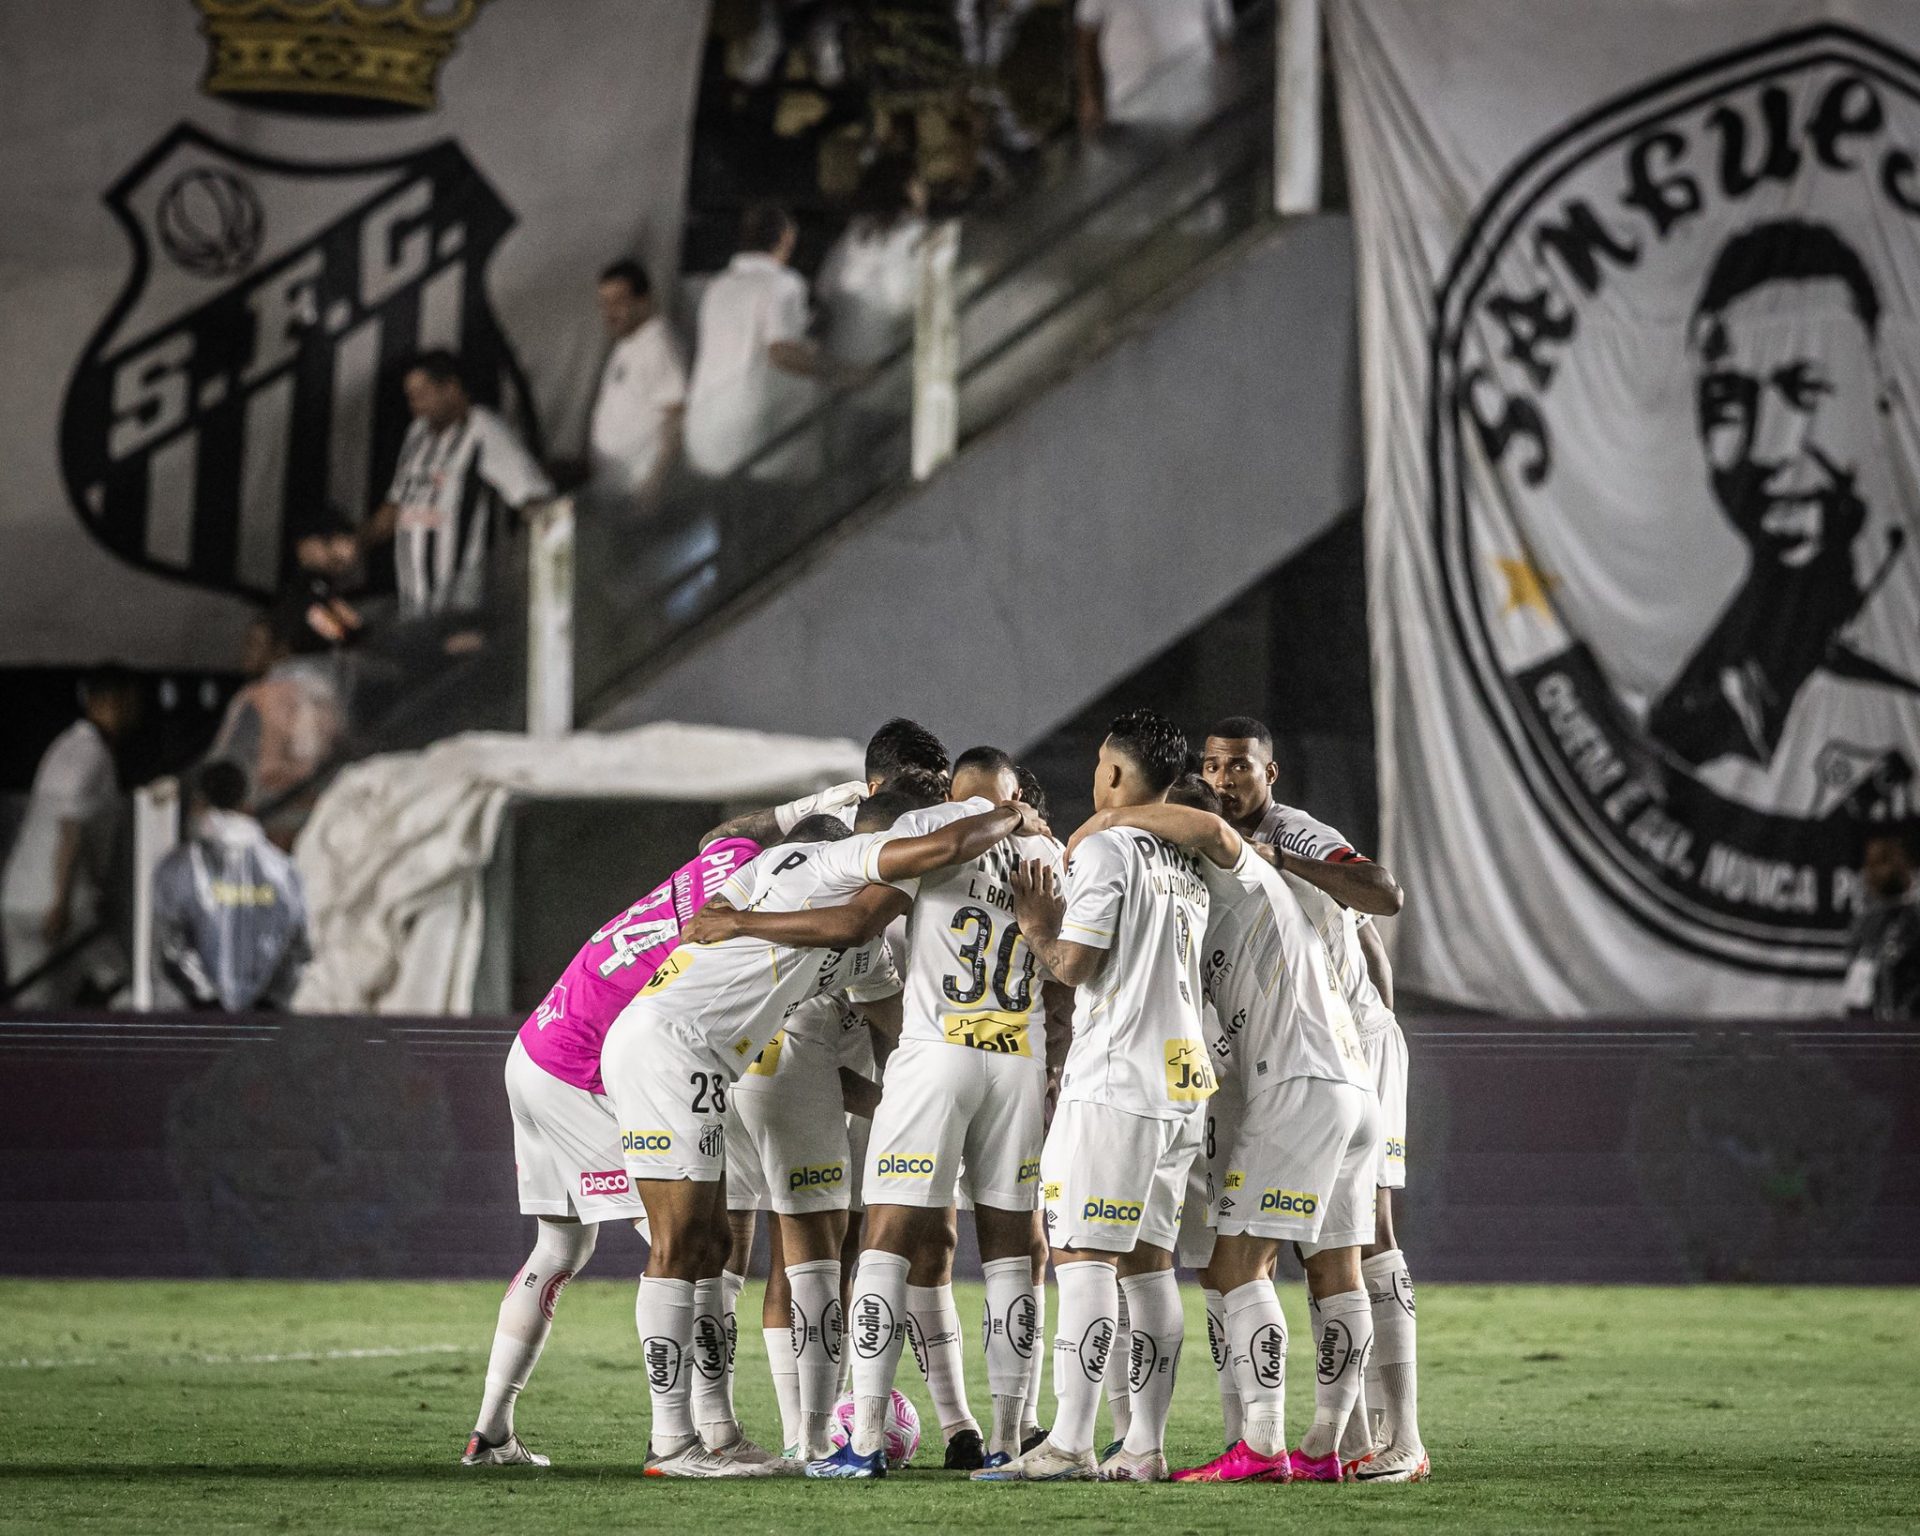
[566, 1139]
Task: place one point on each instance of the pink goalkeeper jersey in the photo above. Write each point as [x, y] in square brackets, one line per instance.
[565, 1032]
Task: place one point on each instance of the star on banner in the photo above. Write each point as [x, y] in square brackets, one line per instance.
[1527, 587]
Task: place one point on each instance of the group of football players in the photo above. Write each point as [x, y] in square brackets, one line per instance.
[1169, 1041]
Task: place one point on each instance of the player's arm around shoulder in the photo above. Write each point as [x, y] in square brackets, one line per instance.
[1184, 826]
[957, 842]
[1041, 907]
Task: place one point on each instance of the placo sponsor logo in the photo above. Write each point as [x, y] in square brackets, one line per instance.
[1116, 1211]
[816, 1176]
[1396, 1149]
[1289, 1202]
[1029, 1172]
[609, 1181]
[913, 1165]
[646, 1141]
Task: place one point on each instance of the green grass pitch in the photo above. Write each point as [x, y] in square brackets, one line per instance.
[237, 1407]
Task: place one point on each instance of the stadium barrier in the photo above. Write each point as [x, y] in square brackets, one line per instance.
[1645, 1151]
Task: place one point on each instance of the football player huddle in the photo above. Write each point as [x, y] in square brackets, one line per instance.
[1168, 1041]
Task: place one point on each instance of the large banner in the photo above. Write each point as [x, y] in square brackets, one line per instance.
[230, 221]
[1640, 299]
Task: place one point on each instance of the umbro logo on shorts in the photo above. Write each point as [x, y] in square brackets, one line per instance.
[646, 1141]
[1289, 1202]
[1111, 1210]
[612, 1181]
[908, 1166]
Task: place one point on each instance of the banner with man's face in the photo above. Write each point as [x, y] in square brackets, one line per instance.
[1641, 304]
[231, 223]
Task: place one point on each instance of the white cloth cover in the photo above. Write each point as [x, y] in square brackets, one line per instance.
[395, 854]
[1639, 282]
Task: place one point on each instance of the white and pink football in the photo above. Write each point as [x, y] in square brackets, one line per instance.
[903, 1428]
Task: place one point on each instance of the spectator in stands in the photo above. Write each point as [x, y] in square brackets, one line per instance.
[313, 612]
[282, 728]
[754, 368]
[229, 914]
[1120, 45]
[51, 894]
[643, 390]
[869, 280]
[1883, 971]
[461, 468]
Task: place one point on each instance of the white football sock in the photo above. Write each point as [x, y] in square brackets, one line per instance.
[1256, 1333]
[1089, 1307]
[1345, 1337]
[786, 1383]
[663, 1314]
[817, 1336]
[1119, 1394]
[935, 1321]
[712, 1393]
[876, 1330]
[560, 1251]
[1010, 1340]
[1036, 1367]
[1392, 1383]
[1230, 1412]
[1158, 1324]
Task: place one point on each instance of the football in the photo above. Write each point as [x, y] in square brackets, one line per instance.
[903, 1428]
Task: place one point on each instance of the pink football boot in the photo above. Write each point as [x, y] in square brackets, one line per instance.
[1237, 1464]
[1316, 1469]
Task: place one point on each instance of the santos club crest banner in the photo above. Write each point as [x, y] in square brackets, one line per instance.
[230, 223]
[1641, 314]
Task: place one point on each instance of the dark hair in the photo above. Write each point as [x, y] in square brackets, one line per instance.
[884, 807]
[222, 783]
[627, 270]
[1788, 250]
[1032, 792]
[1905, 832]
[1155, 746]
[822, 827]
[440, 365]
[763, 225]
[1243, 728]
[985, 760]
[883, 190]
[1191, 789]
[108, 677]
[902, 744]
[917, 785]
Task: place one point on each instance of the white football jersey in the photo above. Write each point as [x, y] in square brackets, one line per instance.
[1339, 930]
[1272, 983]
[1289, 827]
[1138, 1043]
[828, 1028]
[734, 997]
[971, 978]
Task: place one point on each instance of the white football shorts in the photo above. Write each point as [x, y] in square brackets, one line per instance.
[787, 1148]
[1386, 1053]
[670, 1095]
[1111, 1179]
[1221, 1128]
[944, 1104]
[1302, 1166]
[566, 1147]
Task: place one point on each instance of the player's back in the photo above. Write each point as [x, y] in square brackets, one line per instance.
[734, 996]
[1273, 984]
[1138, 1042]
[1339, 930]
[971, 977]
[564, 1034]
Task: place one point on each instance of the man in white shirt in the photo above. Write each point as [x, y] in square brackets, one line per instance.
[672, 1055]
[1238, 764]
[1120, 45]
[635, 434]
[754, 369]
[461, 470]
[1128, 1125]
[52, 889]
